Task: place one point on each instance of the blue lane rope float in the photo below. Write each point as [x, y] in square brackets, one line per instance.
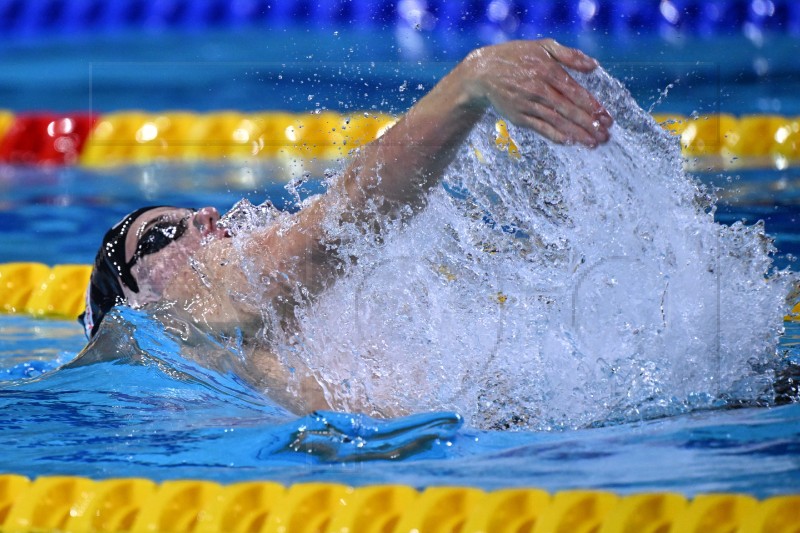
[33, 18]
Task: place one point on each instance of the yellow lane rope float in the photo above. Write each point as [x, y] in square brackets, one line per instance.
[6, 118]
[729, 141]
[40, 290]
[137, 137]
[59, 291]
[132, 137]
[80, 505]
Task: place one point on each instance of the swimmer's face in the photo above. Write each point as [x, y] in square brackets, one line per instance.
[160, 243]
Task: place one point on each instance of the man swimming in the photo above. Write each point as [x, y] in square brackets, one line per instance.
[181, 256]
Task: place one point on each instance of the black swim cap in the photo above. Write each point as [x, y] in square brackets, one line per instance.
[110, 272]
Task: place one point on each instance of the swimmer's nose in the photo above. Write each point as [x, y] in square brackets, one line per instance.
[205, 220]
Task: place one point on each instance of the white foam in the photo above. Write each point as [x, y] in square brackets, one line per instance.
[617, 297]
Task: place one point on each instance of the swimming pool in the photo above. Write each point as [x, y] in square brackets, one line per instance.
[168, 418]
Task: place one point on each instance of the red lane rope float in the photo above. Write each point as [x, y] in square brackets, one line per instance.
[45, 138]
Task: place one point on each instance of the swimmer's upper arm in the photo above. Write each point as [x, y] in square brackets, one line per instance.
[525, 80]
[398, 168]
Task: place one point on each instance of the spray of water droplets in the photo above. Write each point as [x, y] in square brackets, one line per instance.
[561, 288]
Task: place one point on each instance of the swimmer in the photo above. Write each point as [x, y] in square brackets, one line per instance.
[181, 256]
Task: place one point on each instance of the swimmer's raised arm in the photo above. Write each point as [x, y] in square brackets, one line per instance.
[525, 81]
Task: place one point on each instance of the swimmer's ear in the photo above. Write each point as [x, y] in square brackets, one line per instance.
[82, 322]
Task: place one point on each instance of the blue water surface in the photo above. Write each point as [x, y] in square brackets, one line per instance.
[163, 417]
[160, 416]
[347, 68]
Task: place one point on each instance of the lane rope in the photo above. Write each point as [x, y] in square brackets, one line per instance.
[43, 291]
[81, 505]
[139, 138]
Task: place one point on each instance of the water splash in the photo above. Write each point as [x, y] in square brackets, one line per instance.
[245, 216]
[563, 288]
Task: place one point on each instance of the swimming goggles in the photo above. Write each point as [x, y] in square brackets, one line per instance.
[159, 236]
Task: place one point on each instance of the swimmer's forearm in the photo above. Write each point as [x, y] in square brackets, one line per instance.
[394, 171]
[403, 164]
[524, 81]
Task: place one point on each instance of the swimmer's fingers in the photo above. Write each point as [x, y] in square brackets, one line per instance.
[571, 112]
[595, 115]
[581, 99]
[553, 125]
[554, 134]
[534, 103]
[571, 57]
[526, 82]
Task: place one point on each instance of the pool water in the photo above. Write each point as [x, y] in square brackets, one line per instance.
[166, 418]
[161, 416]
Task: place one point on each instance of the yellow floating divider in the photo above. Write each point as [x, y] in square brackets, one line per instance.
[241, 508]
[645, 513]
[440, 510]
[6, 119]
[17, 283]
[716, 513]
[307, 508]
[114, 505]
[780, 514]
[11, 488]
[137, 137]
[509, 511]
[579, 511]
[374, 509]
[48, 503]
[736, 141]
[59, 291]
[503, 140]
[40, 290]
[175, 506]
[80, 505]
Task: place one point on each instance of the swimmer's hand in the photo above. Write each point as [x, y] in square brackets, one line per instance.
[525, 81]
